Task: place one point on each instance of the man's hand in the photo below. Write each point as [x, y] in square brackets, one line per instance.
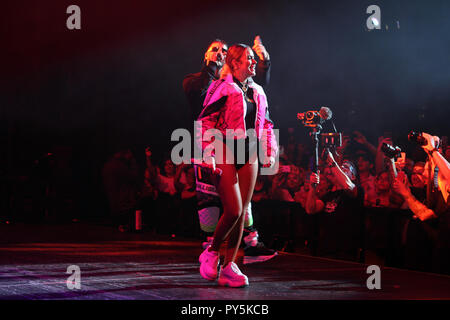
[314, 179]
[400, 187]
[260, 50]
[382, 140]
[400, 163]
[432, 142]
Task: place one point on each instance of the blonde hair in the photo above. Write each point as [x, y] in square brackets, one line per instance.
[235, 52]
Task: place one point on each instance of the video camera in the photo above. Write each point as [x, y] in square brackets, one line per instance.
[391, 151]
[417, 137]
[314, 119]
[310, 118]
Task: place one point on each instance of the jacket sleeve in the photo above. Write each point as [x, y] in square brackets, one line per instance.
[209, 117]
[269, 139]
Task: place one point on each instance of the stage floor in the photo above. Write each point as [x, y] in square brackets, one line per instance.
[34, 260]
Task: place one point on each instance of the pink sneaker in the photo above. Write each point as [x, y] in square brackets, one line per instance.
[209, 262]
[251, 239]
[233, 277]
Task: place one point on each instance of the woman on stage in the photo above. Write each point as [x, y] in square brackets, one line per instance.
[235, 104]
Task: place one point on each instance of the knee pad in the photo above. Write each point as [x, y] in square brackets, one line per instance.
[248, 216]
[208, 218]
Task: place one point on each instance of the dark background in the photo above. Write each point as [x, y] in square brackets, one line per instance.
[83, 94]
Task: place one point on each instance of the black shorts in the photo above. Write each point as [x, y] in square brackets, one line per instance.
[250, 150]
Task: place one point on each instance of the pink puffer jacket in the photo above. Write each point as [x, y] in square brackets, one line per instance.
[231, 115]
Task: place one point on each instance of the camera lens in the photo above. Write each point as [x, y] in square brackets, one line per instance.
[417, 138]
[390, 151]
[310, 115]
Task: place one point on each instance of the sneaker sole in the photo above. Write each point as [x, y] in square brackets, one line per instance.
[256, 259]
[228, 283]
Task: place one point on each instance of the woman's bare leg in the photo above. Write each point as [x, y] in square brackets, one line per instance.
[247, 180]
[232, 204]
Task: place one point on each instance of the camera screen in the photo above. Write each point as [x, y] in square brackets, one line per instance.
[331, 139]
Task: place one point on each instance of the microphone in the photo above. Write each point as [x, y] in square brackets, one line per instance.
[325, 113]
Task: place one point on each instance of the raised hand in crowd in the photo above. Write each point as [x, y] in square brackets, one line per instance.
[381, 161]
[400, 162]
[419, 209]
[362, 140]
[431, 148]
[151, 170]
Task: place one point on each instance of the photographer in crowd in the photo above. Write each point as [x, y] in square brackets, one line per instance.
[434, 211]
[341, 211]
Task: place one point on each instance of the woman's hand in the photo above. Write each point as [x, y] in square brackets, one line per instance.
[400, 187]
[269, 163]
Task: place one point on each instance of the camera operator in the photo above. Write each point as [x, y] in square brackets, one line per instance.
[434, 212]
[340, 211]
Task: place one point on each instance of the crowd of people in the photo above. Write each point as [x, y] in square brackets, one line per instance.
[343, 226]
